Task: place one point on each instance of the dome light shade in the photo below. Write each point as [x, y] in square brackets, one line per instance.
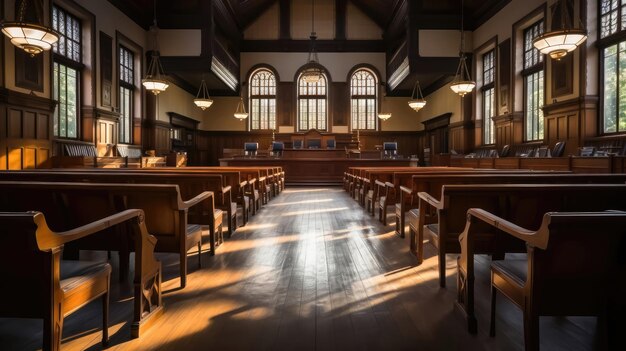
[417, 101]
[30, 37]
[312, 76]
[240, 112]
[384, 115]
[203, 100]
[417, 104]
[156, 86]
[558, 43]
[203, 103]
[564, 38]
[463, 87]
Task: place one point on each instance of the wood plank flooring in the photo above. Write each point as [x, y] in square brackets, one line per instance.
[311, 271]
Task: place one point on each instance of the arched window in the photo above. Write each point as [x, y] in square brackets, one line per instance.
[262, 99]
[363, 99]
[312, 107]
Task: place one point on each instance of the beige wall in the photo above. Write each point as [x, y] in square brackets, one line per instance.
[175, 99]
[178, 42]
[324, 19]
[441, 101]
[359, 26]
[220, 115]
[287, 64]
[266, 26]
[403, 118]
[443, 43]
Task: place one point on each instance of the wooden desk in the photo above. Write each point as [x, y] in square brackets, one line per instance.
[316, 170]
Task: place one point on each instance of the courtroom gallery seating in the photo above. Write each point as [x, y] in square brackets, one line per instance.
[44, 286]
[562, 275]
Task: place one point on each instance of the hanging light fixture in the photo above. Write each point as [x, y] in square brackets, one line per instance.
[313, 74]
[417, 102]
[383, 114]
[155, 80]
[462, 83]
[203, 99]
[558, 43]
[240, 112]
[30, 37]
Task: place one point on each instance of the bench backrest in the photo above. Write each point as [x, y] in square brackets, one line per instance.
[524, 204]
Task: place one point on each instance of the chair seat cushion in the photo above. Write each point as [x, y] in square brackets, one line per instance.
[515, 271]
[75, 273]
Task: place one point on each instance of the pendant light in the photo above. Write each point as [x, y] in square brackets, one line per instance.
[203, 99]
[383, 114]
[417, 102]
[155, 80]
[314, 74]
[462, 83]
[558, 43]
[240, 111]
[30, 37]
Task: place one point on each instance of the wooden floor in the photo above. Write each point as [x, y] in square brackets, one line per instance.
[311, 271]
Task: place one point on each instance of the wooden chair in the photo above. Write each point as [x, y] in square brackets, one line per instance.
[385, 192]
[573, 262]
[44, 286]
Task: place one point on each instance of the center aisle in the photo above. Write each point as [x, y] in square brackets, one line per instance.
[313, 271]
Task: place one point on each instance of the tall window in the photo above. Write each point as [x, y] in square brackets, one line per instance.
[489, 97]
[127, 69]
[67, 65]
[363, 99]
[533, 84]
[613, 86]
[312, 106]
[262, 100]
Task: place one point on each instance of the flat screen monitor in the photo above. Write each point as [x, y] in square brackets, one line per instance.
[278, 146]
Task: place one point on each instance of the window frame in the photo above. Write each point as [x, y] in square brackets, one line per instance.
[365, 97]
[324, 97]
[126, 85]
[603, 43]
[489, 86]
[68, 62]
[252, 98]
[528, 71]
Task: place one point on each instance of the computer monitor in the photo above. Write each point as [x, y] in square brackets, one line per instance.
[314, 143]
[278, 146]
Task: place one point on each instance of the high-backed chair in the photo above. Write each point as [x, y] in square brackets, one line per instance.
[506, 149]
[41, 284]
[390, 149]
[250, 148]
[330, 143]
[277, 148]
[559, 149]
[563, 274]
[297, 143]
[314, 143]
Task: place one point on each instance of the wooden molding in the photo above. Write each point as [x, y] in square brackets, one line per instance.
[283, 45]
[12, 97]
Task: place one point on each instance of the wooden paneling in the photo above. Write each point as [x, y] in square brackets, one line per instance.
[286, 108]
[340, 102]
[25, 130]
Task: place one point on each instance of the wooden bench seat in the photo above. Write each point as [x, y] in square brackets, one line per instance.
[562, 274]
[28, 270]
[524, 204]
[166, 213]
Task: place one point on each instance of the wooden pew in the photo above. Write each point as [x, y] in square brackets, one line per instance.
[406, 187]
[433, 185]
[190, 186]
[570, 269]
[166, 213]
[56, 200]
[524, 204]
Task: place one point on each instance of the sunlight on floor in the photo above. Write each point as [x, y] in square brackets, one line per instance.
[304, 212]
[299, 202]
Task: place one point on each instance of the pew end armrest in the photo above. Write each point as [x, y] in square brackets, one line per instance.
[196, 200]
[429, 199]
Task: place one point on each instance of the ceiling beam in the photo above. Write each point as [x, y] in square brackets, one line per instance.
[341, 9]
[285, 19]
[320, 46]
